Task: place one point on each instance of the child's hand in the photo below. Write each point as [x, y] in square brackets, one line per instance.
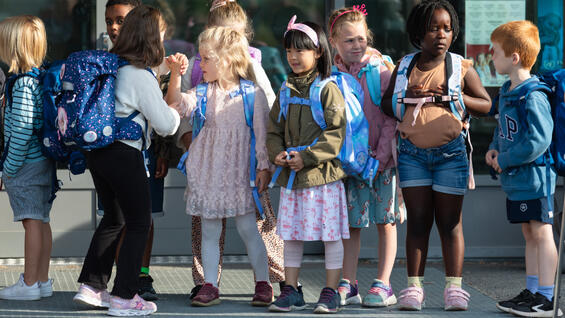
[295, 163]
[491, 159]
[184, 62]
[262, 180]
[174, 63]
[162, 168]
[280, 159]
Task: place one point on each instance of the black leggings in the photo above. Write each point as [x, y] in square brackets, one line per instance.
[423, 206]
[122, 185]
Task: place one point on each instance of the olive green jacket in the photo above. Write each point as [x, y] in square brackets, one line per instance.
[300, 129]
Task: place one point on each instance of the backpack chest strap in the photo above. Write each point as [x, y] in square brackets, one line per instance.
[437, 99]
[292, 172]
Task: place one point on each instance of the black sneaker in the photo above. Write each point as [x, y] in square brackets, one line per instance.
[525, 296]
[146, 290]
[194, 291]
[328, 303]
[288, 300]
[539, 307]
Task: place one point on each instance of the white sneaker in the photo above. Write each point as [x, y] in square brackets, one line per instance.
[46, 288]
[21, 291]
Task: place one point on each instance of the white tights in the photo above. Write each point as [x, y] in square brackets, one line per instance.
[247, 229]
[293, 251]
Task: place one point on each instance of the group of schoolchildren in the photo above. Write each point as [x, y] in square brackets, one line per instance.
[238, 131]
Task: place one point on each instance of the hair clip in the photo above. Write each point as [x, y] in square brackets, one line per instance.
[360, 9]
[216, 4]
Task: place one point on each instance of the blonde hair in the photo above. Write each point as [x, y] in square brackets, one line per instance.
[229, 13]
[520, 37]
[23, 43]
[338, 18]
[230, 48]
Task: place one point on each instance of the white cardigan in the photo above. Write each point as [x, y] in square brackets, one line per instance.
[138, 89]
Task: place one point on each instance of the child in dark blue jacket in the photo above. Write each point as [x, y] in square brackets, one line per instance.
[523, 135]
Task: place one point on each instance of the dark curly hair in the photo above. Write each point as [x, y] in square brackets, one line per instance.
[420, 18]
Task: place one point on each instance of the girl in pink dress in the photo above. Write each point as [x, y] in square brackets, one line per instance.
[218, 171]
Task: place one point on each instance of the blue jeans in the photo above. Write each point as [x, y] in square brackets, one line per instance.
[445, 168]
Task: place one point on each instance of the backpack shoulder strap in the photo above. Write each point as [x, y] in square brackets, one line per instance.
[453, 69]
[248, 94]
[284, 99]
[316, 97]
[199, 113]
[401, 84]
[373, 78]
[524, 93]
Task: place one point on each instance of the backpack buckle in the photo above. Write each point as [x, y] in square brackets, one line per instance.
[437, 99]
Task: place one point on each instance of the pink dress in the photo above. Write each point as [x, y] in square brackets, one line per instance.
[218, 162]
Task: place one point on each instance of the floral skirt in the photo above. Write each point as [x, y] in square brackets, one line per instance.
[314, 214]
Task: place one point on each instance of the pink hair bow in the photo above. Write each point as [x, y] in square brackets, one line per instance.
[302, 28]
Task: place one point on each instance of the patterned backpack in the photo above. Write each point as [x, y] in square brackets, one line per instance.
[81, 110]
[354, 153]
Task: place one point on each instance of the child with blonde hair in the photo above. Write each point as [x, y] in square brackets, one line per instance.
[380, 204]
[26, 172]
[218, 164]
[231, 14]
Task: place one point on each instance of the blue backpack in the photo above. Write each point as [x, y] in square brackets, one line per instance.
[198, 116]
[354, 153]
[79, 108]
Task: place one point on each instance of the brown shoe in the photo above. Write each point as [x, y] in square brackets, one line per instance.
[263, 294]
[208, 295]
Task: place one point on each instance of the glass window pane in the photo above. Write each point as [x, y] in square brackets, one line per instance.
[69, 23]
[269, 19]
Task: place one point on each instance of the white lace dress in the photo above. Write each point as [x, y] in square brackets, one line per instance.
[218, 162]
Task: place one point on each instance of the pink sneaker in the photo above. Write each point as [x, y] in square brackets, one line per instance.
[455, 298]
[411, 298]
[91, 296]
[131, 307]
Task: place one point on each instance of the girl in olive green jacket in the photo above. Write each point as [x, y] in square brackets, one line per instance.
[314, 208]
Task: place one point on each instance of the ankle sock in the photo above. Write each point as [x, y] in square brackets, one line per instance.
[547, 291]
[415, 281]
[145, 270]
[453, 281]
[532, 283]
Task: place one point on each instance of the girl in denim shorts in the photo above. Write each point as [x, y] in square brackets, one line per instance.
[437, 91]
[26, 172]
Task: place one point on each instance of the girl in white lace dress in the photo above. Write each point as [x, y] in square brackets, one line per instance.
[218, 161]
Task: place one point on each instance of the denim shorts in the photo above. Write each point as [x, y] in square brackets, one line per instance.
[29, 191]
[445, 168]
